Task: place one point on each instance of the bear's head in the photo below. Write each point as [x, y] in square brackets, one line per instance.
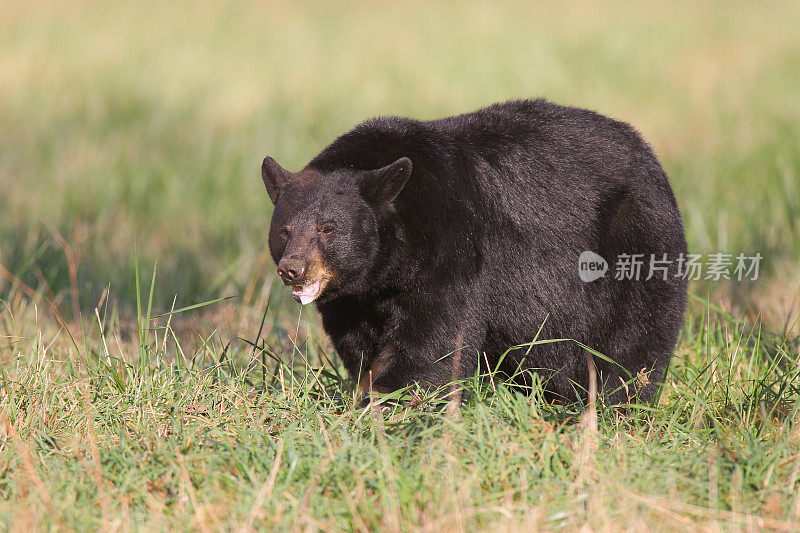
[325, 229]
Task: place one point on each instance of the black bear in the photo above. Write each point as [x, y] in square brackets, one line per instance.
[522, 221]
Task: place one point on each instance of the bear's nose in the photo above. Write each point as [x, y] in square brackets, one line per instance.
[291, 270]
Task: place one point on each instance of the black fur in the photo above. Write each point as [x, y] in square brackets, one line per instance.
[483, 241]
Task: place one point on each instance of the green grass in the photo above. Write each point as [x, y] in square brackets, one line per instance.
[212, 439]
[136, 131]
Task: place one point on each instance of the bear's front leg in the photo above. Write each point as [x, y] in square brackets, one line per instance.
[429, 361]
[388, 345]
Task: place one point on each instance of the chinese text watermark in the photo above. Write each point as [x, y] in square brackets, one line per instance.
[642, 267]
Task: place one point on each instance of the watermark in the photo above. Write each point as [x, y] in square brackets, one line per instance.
[693, 267]
[591, 266]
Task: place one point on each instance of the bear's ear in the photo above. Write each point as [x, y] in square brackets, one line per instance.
[275, 177]
[380, 187]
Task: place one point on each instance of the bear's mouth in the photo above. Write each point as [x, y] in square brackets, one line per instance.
[307, 292]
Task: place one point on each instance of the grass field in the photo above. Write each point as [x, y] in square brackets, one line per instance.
[132, 134]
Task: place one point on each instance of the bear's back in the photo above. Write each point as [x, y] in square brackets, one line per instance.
[533, 141]
[509, 170]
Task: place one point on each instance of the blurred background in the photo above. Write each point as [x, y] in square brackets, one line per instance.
[137, 129]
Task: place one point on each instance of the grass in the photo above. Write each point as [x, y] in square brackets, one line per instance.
[131, 133]
[96, 437]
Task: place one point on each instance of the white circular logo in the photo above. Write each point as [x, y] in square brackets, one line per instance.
[591, 266]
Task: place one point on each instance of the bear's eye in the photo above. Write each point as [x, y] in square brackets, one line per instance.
[328, 228]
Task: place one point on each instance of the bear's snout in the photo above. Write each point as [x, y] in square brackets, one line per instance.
[291, 270]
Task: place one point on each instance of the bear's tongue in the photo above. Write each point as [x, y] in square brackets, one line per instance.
[306, 293]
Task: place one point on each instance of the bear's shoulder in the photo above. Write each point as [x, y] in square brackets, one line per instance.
[375, 143]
